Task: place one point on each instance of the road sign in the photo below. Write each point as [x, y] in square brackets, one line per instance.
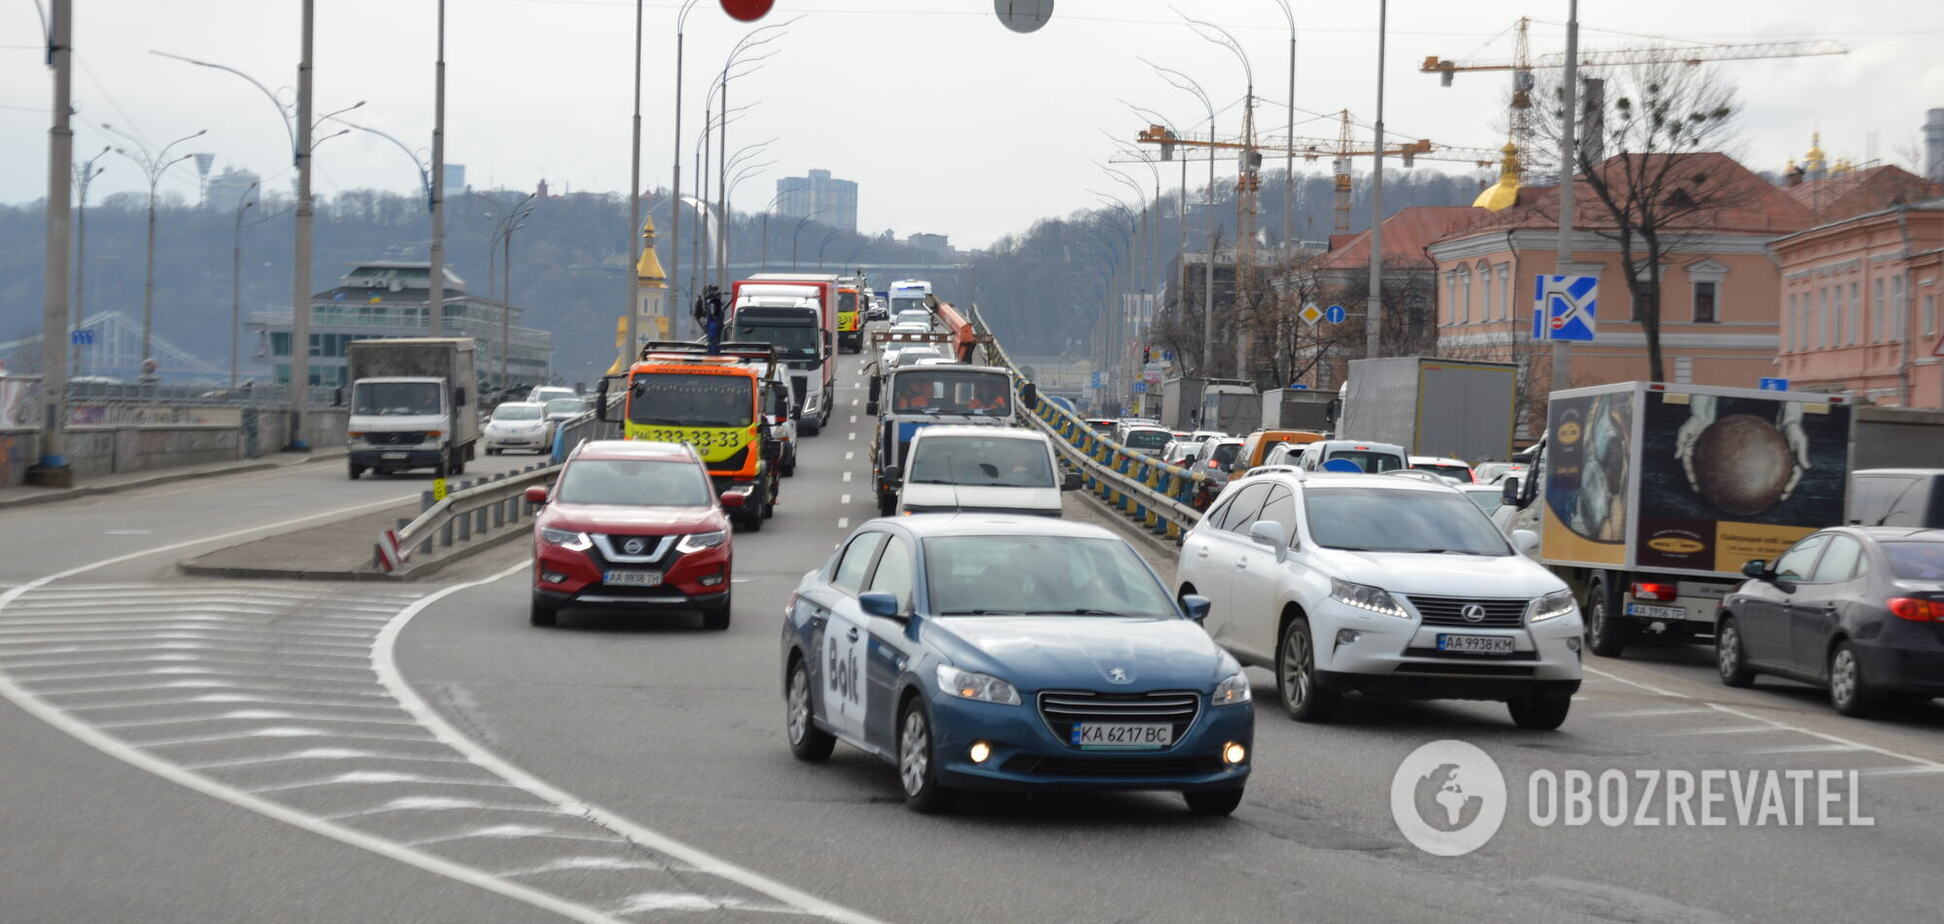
[1310, 314]
[390, 556]
[82, 337]
[1167, 355]
[1023, 15]
[1775, 385]
[1298, 386]
[438, 489]
[1095, 381]
[1335, 314]
[1565, 307]
[747, 10]
[1140, 388]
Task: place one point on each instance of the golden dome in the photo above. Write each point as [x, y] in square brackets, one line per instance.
[1814, 161]
[1505, 192]
[648, 269]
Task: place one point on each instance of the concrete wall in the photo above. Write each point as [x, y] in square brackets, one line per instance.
[97, 450]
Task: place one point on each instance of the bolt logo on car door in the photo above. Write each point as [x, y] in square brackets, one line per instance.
[843, 674]
[845, 694]
[1473, 613]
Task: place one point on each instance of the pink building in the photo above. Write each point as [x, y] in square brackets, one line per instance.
[1859, 305]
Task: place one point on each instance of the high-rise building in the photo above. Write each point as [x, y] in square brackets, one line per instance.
[455, 179]
[224, 191]
[819, 197]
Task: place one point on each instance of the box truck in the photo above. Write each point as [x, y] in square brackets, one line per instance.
[1458, 409]
[1298, 409]
[413, 405]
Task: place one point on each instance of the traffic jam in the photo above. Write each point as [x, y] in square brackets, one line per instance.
[976, 637]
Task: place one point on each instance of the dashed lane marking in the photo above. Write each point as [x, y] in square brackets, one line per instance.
[843, 498]
[847, 476]
[843, 522]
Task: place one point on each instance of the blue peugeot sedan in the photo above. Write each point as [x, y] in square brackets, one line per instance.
[982, 651]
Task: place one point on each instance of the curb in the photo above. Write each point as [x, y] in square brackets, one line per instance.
[427, 567]
[163, 477]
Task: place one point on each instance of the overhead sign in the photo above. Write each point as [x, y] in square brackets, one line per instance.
[1335, 314]
[1310, 314]
[1023, 15]
[1775, 385]
[1565, 307]
[747, 10]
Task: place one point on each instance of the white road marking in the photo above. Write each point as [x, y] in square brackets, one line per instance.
[853, 418]
[1805, 749]
[847, 476]
[1648, 713]
[843, 498]
[853, 402]
[843, 522]
[126, 532]
[849, 456]
[851, 435]
[1903, 771]
[1724, 730]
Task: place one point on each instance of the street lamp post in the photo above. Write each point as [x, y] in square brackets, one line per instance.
[52, 468]
[1186, 83]
[633, 337]
[1289, 146]
[822, 244]
[435, 191]
[763, 261]
[80, 313]
[1181, 201]
[1246, 173]
[793, 240]
[1373, 312]
[748, 43]
[236, 282]
[153, 164]
[675, 203]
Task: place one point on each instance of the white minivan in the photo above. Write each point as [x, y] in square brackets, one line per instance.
[982, 470]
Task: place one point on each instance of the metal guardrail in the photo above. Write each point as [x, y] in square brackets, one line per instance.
[1158, 496]
[574, 431]
[474, 510]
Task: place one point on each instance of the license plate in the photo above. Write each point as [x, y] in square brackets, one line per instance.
[1646, 611]
[632, 578]
[392, 455]
[1475, 644]
[1108, 735]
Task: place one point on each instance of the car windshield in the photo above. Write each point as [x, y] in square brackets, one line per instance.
[1379, 520]
[1921, 560]
[1041, 576]
[633, 482]
[1455, 471]
[847, 302]
[395, 399]
[981, 461]
[1372, 463]
[544, 395]
[566, 406]
[683, 399]
[1488, 501]
[914, 305]
[1225, 453]
[1149, 439]
[939, 390]
[791, 342]
[517, 412]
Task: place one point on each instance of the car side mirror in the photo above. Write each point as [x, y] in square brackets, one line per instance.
[601, 403]
[1197, 606]
[1509, 492]
[731, 498]
[871, 407]
[1526, 541]
[1269, 533]
[536, 495]
[878, 603]
[894, 473]
[1758, 570]
[772, 450]
[1070, 481]
[1029, 394]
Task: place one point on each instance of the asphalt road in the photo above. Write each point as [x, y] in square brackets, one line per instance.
[209, 750]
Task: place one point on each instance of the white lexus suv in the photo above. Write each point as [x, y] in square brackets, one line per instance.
[1384, 586]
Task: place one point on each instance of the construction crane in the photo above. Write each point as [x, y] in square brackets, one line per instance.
[1339, 149]
[1522, 64]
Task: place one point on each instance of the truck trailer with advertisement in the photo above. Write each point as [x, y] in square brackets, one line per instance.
[1454, 408]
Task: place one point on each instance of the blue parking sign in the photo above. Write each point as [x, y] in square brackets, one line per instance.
[1565, 307]
[1775, 385]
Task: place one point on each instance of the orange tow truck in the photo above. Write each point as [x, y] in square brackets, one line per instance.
[679, 392]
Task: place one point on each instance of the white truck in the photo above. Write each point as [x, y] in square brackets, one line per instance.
[413, 405]
[1455, 408]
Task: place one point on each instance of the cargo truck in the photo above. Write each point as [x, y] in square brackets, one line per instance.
[413, 405]
[1453, 408]
[1298, 409]
[813, 352]
[1231, 406]
[1181, 399]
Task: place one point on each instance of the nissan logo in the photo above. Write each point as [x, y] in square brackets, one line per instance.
[634, 547]
[1473, 613]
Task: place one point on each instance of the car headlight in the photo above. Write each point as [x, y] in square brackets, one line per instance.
[567, 539]
[1364, 596]
[696, 542]
[1231, 691]
[1557, 603]
[983, 687]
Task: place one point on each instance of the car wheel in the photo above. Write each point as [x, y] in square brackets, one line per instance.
[1847, 690]
[887, 504]
[356, 470]
[1539, 713]
[807, 741]
[491, 451]
[917, 766]
[544, 613]
[715, 616]
[775, 494]
[458, 463]
[1605, 633]
[1730, 659]
[1213, 802]
[809, 425]
[1296, 676]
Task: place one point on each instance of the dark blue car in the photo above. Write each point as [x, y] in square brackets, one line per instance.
[979, 651]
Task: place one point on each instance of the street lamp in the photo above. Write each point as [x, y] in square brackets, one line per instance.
[1183, 82]
[1289, 146]
[1245, 173]
[793, 240]
[825, 242]
[702, 143]
[243, 203]
[749, 42]
[763, 260]
[675, 205]
[84, 177]
[154, 164]
[1181, 201]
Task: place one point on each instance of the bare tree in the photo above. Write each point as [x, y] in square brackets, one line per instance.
[1664, 124]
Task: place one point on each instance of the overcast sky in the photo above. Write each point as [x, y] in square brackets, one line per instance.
[948, 122]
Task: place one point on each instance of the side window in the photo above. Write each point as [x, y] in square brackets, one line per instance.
[1796, 565]
[849, 576]
[1243, 509]
[1280, 508]
[1839, 561]
[893, 574]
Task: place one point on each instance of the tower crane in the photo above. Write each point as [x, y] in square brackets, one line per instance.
[1522, 64]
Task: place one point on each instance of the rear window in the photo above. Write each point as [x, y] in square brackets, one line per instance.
[1226, 452]
[1148, 439]
[1455, 471]
[1916, 561]
[1372, 463]
[981, 461]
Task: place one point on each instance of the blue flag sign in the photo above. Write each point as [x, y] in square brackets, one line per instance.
[1140, 388]
[1775, 385]
[1565, 307]
[82, 337]
[1335, 314]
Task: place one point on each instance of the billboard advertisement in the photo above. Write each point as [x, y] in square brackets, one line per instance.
[1588, 460]
[1726, 479]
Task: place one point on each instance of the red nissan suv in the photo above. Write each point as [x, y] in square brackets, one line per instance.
[632, 525]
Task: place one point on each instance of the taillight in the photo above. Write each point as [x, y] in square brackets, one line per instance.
[1651, 590]
[1214, 464]
[1916, 609]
